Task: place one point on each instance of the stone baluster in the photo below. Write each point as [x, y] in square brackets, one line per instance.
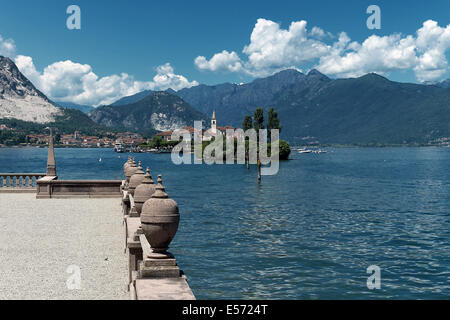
[19, 181]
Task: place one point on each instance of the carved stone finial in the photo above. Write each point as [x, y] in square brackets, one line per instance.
[159, 219]
[135, 179]
[144, 191]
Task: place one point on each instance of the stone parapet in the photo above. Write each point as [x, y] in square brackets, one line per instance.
[49, 187]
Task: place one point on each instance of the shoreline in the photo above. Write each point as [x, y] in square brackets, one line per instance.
[293, 146]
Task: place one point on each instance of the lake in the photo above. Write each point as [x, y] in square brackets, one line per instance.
[309, 232]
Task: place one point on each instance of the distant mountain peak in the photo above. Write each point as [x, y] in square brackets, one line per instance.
[443, 84]
[159, 110]
[374, 76]
[315, 72]
[19, 98]
[132, 99]
[289, 71]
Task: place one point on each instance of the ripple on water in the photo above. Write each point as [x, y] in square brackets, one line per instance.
[309, 232]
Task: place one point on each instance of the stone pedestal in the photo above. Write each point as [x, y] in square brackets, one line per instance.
[159, 268]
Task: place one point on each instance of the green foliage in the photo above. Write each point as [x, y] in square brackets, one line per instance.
[285, 150]
[272, 121]
[74, 120]
[159, 143]
[148, 133]
[11, 138]
[258, 119]
[247, 123]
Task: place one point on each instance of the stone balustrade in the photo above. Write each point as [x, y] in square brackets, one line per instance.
[19, 182]
[153, 273]
[150, 222]
[169, 284]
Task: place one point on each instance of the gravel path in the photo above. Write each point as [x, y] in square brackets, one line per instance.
[41, 239]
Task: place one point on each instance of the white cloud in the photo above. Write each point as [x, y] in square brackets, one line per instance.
[272, 48]
[75, 82]
[69, 81]
[432, 43]
[166, 78]
[7, 47]
[223, 61]
[375, 54]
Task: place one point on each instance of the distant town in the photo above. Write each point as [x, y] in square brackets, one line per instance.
[120, 141]
[77, 139]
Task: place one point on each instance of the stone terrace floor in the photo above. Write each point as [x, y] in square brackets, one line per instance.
[40, 239]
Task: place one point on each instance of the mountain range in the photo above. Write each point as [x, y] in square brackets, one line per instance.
[69, 105]
[25, 107]
[312, 107]
[132, 99]
[159, 110]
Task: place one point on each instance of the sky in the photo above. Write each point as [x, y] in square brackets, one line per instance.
[124, 47]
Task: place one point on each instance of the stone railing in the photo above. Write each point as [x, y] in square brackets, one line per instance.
[151, 220]
[49, 187]
[148, 281]
[19, 182]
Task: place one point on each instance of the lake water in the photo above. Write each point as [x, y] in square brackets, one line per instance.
[309, 232]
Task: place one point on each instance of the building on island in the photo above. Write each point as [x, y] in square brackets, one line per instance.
[205, 135]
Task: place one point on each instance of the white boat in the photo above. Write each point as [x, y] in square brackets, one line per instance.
[118, 147]
[304, 150]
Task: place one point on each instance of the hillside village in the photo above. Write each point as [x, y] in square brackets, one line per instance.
[77, 139]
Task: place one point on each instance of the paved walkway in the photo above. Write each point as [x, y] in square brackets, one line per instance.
[41, 239]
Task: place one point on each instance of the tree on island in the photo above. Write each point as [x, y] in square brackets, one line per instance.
[272, 121]
[258, 117]
[257, 123]
[247, 123]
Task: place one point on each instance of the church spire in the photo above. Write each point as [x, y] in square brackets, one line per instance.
[213, 123]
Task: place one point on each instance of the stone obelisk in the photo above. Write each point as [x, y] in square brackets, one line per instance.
[51, 164]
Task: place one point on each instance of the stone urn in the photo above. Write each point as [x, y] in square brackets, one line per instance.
[126, 165]
[136, 179]
[159, 221]
[131, 170]
[144, 191]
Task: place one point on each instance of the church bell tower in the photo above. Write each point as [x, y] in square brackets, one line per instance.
[214, 123]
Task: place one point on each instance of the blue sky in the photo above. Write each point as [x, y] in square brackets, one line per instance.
[136, 37]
